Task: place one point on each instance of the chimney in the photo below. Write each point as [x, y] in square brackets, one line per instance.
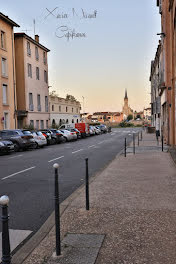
[37, 38]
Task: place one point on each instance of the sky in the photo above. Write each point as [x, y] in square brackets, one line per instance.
[112, 51]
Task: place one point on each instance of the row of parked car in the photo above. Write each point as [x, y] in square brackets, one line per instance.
[22, 139]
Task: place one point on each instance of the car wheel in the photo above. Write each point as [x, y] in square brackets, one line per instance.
[36, 145]
[16, 147]
[66, 139]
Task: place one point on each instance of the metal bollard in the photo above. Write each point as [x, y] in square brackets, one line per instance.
[6, 255]
[138, 138]
[125, 148]
[87, 185]
[57, 211]
[141, 135]
[133, 143]
[162, 143]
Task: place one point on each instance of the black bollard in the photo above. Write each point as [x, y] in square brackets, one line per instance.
[125, 147]
[133, 143]
[57, 211]
[87, 185]
[141, 135]
[6, 255]
[162, 143]
[138, 138]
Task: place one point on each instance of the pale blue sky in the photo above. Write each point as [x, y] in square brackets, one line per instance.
[116, 53]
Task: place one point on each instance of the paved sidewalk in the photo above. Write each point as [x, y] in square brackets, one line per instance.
[132, 217]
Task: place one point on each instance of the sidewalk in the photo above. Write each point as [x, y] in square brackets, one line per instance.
[132, 217]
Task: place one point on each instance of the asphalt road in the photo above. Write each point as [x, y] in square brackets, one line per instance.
[28, 177]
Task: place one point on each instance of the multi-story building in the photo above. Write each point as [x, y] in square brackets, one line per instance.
[7, 74]
[147, 114]
[64, 110]
[31, 82]
[102, 117]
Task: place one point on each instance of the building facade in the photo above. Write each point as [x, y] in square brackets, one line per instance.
[147, 114]
[7, 74]
[63, 110]
[31, 82]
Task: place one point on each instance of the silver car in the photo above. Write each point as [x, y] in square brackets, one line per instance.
[39, 138]
[68, 135]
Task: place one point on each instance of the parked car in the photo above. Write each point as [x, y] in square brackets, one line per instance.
[47, 136]
[39, 138]
[103, 128]
[97, 131]
[91, 130]
[68, 135]
[18, 138]
[78, 133]
[58, 135]
[6, 146]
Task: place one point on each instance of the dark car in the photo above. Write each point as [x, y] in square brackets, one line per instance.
[58, 135]
[6, 146]
[18, 138]
[47, 136]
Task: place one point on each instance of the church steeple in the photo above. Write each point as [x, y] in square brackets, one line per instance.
[126, 97]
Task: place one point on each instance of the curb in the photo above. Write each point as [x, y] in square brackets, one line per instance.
[24, 251]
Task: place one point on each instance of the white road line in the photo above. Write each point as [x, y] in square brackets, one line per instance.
[92, 146]
[77, 151]
[16, 156]
[56, 158]
[9, 176]
[101, 142]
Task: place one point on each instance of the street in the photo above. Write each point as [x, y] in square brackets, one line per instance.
[28, 177]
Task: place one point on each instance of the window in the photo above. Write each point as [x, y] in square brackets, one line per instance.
[6, 121]
[76, 110]
[72, 109]
[46, 103]
[41, 124]
[44, 57]
[4, 94]
[72, 120]
[31, 106]
[45, 76]
[38, 103]
[3, 44]
[46, 123]
[59, 108]
[28, 49]
[37, 73]
[29, 70]
[52, 107]
[32, 123]
[4, 66]
[67, 121]
[36, 53]
[66, 109]
[77, 121]
[37, 124]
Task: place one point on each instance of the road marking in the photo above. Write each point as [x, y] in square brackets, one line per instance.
[77, 151]
[101, 142]
[16, 156]
[112, 134]
[92, 146]
[56, 158]
[9, 176]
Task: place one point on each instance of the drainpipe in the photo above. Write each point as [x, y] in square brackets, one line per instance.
[14, 84]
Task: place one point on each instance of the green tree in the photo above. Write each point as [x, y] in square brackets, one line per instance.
[130, 117]
[70, 97]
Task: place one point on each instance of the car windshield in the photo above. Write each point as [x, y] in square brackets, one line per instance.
[26, 132]
[34, 133]
[39, 133]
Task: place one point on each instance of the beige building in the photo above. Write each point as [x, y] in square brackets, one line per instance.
[31, 82]
[7, 74]
[64, 110]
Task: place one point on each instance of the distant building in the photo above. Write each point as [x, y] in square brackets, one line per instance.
[139, 115]
[147, 114]
[126, 108]
[101, 117]
[31, 82]
[7, 74]
[63, 110]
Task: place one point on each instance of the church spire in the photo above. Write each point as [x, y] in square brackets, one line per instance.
[126, 97]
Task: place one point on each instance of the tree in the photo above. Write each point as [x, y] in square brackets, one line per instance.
[70, 97]
[130, 117]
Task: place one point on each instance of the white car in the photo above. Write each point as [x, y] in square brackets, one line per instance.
[68, 135]
[39, 138]
[92, 130]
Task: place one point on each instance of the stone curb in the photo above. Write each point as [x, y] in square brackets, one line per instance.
[23, 252]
